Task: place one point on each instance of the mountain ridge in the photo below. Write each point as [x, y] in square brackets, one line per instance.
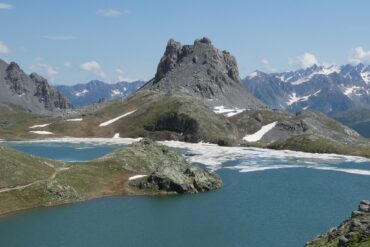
[334, 90]
[32, 92]
[83, 94]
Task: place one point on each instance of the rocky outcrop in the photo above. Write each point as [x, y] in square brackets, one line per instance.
[354, 231]
[204, 71]
[175, 175]
[179, 180]
[32, 93]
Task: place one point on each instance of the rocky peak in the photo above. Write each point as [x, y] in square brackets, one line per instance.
[204, 71]
[16, 78]
[31, 92]
[47, 95]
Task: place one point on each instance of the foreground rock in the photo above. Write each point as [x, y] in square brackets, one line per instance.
[28, 182]
[354, 231]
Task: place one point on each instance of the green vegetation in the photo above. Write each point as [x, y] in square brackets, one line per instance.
[15, 122]
[27, 181]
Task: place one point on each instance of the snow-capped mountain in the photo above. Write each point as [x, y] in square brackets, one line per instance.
[326, 89]
[93, 91]
[334, 90]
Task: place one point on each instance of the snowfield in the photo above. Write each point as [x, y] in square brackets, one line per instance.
[39, 126]
[293, 98]
[116, 119]
[228, 112]
[74, 120]
[42, 132]
[136, 177]
[81, 93]
[259, 134]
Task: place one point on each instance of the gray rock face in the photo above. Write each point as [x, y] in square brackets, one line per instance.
[180, 180]
[205, 72]
[33, 92]
[173, 174]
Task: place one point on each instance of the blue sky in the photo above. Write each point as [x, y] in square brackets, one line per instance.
[70, 42]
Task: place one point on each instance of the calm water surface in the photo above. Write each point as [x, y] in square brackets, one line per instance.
[279, 207]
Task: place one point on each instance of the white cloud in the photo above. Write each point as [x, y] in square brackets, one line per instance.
[94, 67]
[4, 48]
[60, 37]
[45, 69]
[67, 64]
[122, 76]
[267, 66]
[111, 12]
[5, 6]
[359, 55]
[305, 60]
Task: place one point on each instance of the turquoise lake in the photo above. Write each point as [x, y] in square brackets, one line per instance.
[282, 207]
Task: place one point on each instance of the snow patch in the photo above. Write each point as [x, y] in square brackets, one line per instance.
[116, 136]
[74, 120]
[116, 119]
[39, 126]
[136, 177]
[115, 92]
[42, 132]
[81, 93]
[259, 134]
[293, 98]
[322, 71]
[365, 76]
[228, 112]
[355, 90]
[252, 75]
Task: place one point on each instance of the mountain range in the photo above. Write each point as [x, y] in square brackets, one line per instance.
[197, 95]
[338, 91]
[94, 91]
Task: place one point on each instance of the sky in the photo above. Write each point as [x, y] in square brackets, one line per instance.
[74, 41]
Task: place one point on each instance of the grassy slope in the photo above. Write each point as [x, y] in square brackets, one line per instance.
[19, 122]
[179, 116]
[73, 182]
[154, 112]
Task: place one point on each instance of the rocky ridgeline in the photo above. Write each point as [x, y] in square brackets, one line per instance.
[31, 92]
[354, 231]
[205, 72]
